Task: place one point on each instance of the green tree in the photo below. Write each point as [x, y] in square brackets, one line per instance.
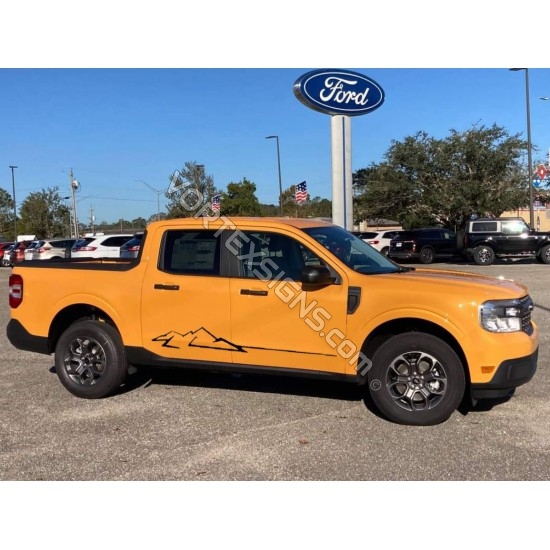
[426, 181]
[190, 189]
[139, 223]
[289, 204]
[269, 210]
[42, 213]
[316, 207]
[240, 199]
[6, 214]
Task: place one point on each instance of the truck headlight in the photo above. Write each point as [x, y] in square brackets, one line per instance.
[500, 316]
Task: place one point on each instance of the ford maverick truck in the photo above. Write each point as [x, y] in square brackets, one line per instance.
[278, 296]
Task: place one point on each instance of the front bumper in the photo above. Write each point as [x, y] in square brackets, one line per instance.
[403, 255]
[509, 375]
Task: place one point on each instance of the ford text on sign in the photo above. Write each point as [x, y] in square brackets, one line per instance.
[338, 92]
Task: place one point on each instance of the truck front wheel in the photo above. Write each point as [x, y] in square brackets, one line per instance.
[90, 360]
[484, 255]
[416, 379]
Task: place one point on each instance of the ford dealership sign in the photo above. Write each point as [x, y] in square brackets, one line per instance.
[339, 92]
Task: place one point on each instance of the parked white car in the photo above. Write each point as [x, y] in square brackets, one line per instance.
[379, 239]
[50, 249]
[30, 248]
[103, 246]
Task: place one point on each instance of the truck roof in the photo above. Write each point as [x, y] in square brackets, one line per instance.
[215, 222]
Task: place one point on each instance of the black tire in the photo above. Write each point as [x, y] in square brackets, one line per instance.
[483, 255]
[385, 251]
[427, 255]
[90, 360]
[416, 379]
[544, 254]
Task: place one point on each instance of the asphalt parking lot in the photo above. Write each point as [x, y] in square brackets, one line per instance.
[199, 426]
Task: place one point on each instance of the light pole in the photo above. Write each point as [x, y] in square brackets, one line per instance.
[529, 160]
[544, 98]
[279, 167]
[158, 196]
[14, 204]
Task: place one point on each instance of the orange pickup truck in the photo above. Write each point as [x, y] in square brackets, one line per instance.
[278, 296]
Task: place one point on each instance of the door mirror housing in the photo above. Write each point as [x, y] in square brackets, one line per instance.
[317, 275]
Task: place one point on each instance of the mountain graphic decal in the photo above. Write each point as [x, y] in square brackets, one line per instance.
[200, 338]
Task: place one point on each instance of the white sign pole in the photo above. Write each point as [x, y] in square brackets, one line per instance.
[342, 188]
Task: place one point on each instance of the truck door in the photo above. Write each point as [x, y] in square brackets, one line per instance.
[275, 320]
[185, 299]
[516, 238]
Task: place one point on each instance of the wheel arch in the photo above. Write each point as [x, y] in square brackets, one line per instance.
[411, 324]
[72, 313]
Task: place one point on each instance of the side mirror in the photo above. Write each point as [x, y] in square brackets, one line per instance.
[317, 275]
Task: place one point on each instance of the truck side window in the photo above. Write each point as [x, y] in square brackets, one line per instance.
[190, 252]
[514, 227]
[287, 254]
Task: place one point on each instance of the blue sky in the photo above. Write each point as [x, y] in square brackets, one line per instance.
[118, 128]
[128, 96]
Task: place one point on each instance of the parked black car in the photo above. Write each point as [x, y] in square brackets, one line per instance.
[425, 245]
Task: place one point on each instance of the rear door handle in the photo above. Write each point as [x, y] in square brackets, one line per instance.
[250, 292]
[159, 286]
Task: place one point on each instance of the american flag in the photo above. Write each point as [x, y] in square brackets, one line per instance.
[216, 203]
[301, 192]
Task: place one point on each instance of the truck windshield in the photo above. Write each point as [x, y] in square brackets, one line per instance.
[353, 251]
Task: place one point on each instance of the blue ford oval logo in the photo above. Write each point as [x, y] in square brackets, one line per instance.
[338, 92]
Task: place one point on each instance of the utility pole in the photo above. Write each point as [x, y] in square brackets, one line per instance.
[14, 205]
[92, 219]
[74, 186]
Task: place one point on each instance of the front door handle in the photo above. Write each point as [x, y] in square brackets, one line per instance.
[159, 286]
[250, 292]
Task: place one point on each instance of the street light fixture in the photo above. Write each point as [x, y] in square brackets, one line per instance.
[279, 167]
[529, 160]
[14, 204]
[158, 192]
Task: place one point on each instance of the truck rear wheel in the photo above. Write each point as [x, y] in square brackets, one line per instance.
[416, 379]
[90, 360]
[484, 255]
[427, 255]
[544, 254]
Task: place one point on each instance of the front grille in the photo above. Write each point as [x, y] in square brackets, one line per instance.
[526, 306]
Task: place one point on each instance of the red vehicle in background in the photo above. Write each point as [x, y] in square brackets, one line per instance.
[17, 254]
